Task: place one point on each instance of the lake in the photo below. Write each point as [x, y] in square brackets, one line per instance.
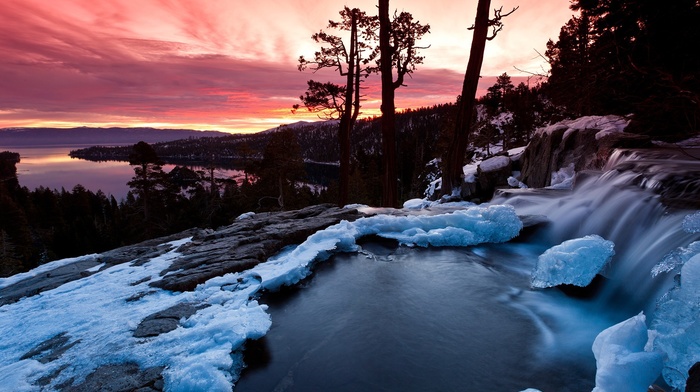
[51, 167]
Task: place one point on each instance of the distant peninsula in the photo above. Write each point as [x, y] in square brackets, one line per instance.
[10, 137]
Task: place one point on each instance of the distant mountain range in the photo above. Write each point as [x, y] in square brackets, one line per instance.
[95, 136]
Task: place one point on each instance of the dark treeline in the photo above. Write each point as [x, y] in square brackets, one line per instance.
[40, 225]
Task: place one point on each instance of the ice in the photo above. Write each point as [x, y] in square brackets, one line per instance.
[691, 223]
[469, 226]
[574, 262]
[676, 325]
[621, 360]
[676, 258]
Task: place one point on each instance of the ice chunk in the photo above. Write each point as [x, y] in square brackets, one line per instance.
[677, 325]
[574, 262]
[691, 223]
[245, 215]
[621, 359]
[676, 258]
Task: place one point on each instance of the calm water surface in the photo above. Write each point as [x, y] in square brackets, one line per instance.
[421, 320]
[52, 168]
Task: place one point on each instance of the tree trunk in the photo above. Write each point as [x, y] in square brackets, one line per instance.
[346, 120]
[452, 169]
[389, 195]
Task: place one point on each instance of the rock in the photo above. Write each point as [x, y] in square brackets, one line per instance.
[121, 377]
[47, 281]
[585, 143]
[165, 320]
[493, 172]
[50, 349]
[246, 243]
[692, 384]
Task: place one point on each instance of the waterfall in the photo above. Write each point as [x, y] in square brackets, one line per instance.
[638, 201]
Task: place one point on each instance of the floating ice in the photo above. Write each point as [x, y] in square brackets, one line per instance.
[574, 262]
[676, 325]
[621, 360]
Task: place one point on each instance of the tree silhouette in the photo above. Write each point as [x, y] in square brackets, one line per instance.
[337, 101]
[398, 51]
[452, 169]
[149, 178]
[625, 56]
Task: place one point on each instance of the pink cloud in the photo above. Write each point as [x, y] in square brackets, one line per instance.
[199, 63]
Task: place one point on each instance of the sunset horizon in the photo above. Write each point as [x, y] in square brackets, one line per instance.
[224, 67]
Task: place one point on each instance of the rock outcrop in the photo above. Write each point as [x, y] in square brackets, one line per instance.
[585, 143]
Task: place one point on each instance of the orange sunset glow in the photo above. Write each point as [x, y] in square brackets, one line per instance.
[225, 65]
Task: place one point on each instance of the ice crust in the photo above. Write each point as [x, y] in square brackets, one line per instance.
[99, 313]
[575, 262]
[676, 325]
[691, 223]
[622, 362]
[676, 258]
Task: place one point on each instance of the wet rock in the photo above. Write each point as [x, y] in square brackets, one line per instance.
[246, 243]
[51, 349]
[560, 146]
[492, 173]
[47, 281]
[119, 378]
[165, 320]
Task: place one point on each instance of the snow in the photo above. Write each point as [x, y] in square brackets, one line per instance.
[99, 313]
[676, 325]
[245, 215]
[515, 183]
[605, 125]
[575, 261]
[622, 362]
[563, 178]
[494, 163]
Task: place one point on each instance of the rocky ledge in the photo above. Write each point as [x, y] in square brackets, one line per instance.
[210, 253]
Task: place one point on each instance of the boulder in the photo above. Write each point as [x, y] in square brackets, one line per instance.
[584, 143]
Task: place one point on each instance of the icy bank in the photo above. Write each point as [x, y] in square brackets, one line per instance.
[574, 262]
[621, 358]
[62, 336]
[676, 325]
[470, 226]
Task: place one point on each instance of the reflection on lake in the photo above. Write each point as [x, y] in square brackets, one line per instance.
[52, 168]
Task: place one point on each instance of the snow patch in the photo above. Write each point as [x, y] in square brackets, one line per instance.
[676, 325]
[494, 163]
[563, 178]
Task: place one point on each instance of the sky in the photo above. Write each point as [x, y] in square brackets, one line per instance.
[228, 65]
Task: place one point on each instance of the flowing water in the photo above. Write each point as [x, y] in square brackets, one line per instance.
[393, 318]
